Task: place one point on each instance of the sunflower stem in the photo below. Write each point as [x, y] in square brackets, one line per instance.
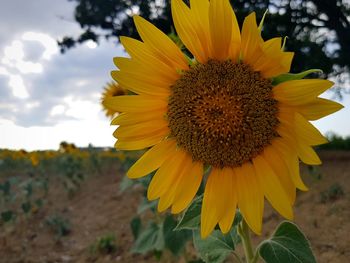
[243, 231]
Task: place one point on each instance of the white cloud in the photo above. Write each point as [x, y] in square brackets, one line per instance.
[19, 90]
[31, 105]
[58, 110]
[48, 42]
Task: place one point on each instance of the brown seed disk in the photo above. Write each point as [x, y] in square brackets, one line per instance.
[222, 113]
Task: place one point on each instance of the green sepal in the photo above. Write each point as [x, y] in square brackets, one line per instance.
[293, 76]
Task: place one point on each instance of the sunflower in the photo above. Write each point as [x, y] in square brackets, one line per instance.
[219, 114]
[34, 158]
[110, 90]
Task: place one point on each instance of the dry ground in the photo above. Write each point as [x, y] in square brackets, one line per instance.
[99, 208]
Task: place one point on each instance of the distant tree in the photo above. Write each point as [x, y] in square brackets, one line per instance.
[318, 30]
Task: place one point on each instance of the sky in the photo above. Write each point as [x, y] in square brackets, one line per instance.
[47, 97]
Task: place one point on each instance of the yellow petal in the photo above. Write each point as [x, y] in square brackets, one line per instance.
[142, 73]
[140, 52]
[298, 92]
[209, 214]
[135, 103]
[291, 159]
[229, 199]
[188, 187]
[251, 40]
[223, 24]
[235, 46]
[129, 118]
[166, 175]
[250, 196]
[130, 65]
[160, 44]
[272, 188]
[141, 84]
[286, 115]
[274, 60]
[307, 133]
[318, 108]
[152, 159]
[307, 154]
[267, 57]
[280, 168]
[141, 143]
[200, 12]
[168, 198]
[287, 133]
[185, 25]
[140, 130]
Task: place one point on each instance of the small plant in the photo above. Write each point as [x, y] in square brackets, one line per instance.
[71, 166]
[59, 225]
[104, 245]
[315, 172]
[334, 192]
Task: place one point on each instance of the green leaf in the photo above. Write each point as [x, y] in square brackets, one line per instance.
[175, 241]
[28, 188]
[136, 226]
[125, 184]
[293, 76]
[150, 239]
[191, 217]
[26, 207]
[288, 245]
[39, 202]
[7, 216]
[145, 205]
[6, 187]
[216, 247]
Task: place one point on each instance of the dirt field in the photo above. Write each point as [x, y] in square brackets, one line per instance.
[99, 208]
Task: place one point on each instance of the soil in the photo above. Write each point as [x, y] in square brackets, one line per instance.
[100, 208]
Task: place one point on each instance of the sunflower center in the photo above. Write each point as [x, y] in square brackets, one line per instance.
[222, 113]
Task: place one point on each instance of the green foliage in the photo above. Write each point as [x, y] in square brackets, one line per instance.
[59, 225]
[94, 160]
[26, 207]
[175, 240]
[191, 217]
[7, 216]
[159, 236]
[216, 247]
[151, 238]
[146, 205]
[288, 245]
[315, 172]
[21, 198]
[6, 188]
[125, 184]
[334, 192]
[71, 167]
[336, 142]
[104, 245]
[136, 226]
